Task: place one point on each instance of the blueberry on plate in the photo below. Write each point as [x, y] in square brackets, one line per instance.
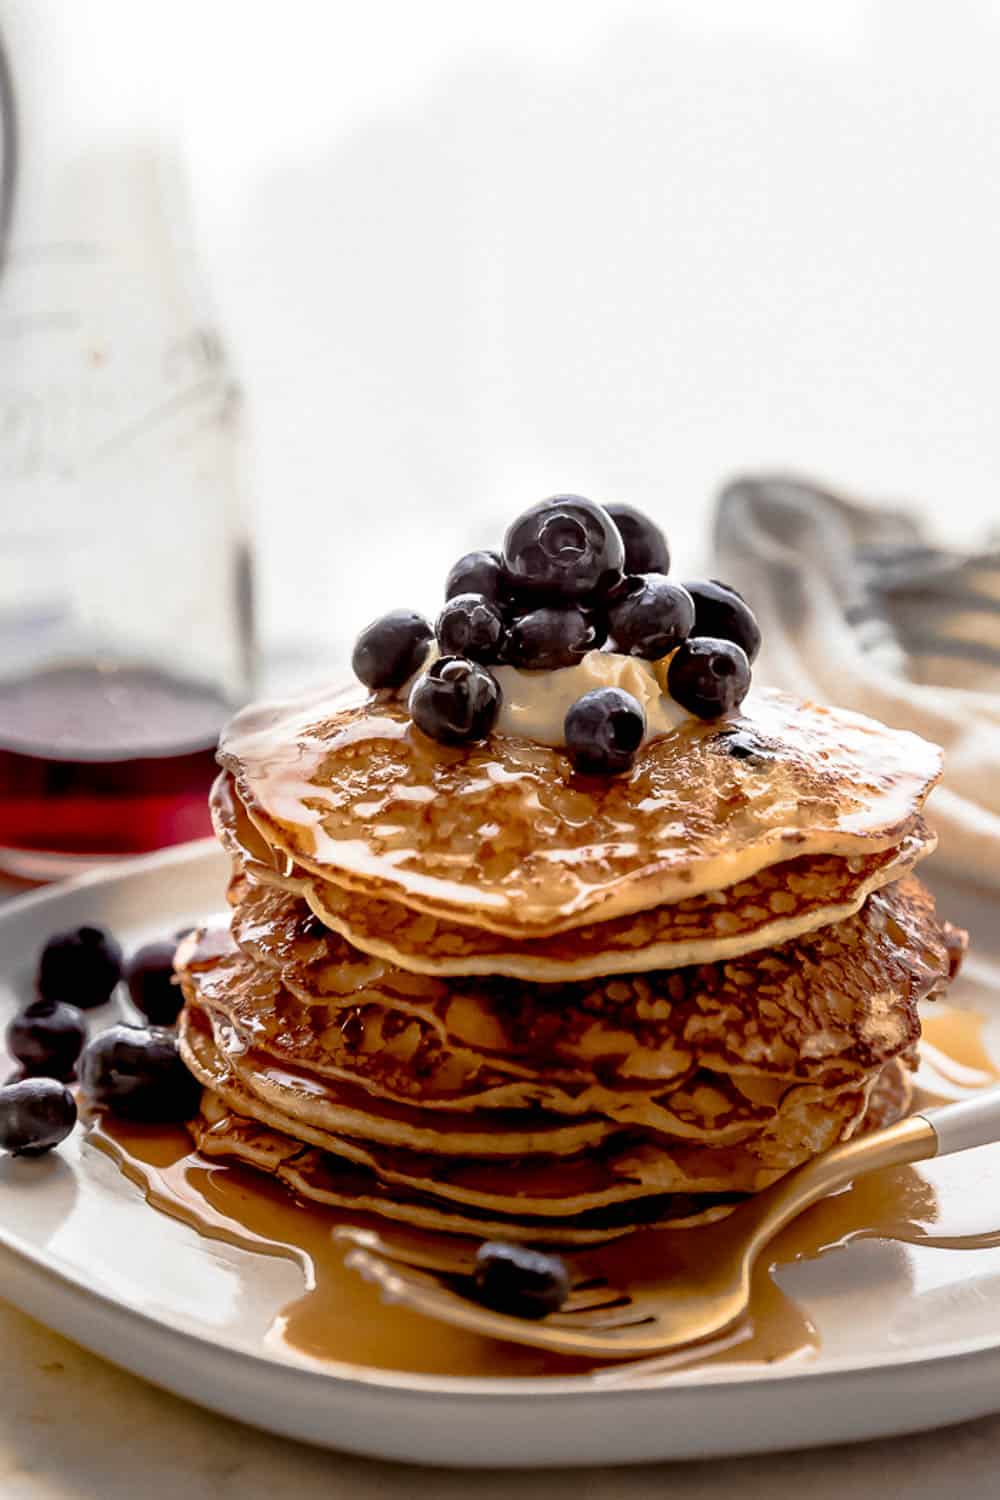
[564, 548]
[520, 1282]
[391, 649]
[47, 1037]
[646, 549]
[479, 573]
[35, 1115]
[149, 974]
[138, 1072]
[721, 612]
[650, 616]
[81, 966]
[708, 677]
[455, 701]
[603, 731]
[547, 638]
[471, 625]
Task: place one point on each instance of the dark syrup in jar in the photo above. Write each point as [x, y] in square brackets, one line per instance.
[102, 761]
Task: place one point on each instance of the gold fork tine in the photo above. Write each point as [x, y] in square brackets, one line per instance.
[598, 1299]
[591, 1295]
[429, 1297]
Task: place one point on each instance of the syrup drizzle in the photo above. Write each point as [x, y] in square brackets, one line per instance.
[340, 1317]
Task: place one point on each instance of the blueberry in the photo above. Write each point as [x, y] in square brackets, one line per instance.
[479, 573]
[564, 548]
[455, 700]
[650, 616]
[708, 677]
[81, 966]
[603, 731]
[547, 638]
[138, 1072]
[35, 1115]
[149, 975]
[47, 1037]
[519, 1282]
[721, 612]
[391, 649]
[646, 549]
[471, 625]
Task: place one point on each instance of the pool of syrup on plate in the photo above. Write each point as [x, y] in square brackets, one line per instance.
[340, 1317]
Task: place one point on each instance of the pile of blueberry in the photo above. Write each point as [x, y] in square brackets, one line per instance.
[573, 576]
[133, 1070]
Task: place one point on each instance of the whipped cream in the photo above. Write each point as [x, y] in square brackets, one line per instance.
[535, 704]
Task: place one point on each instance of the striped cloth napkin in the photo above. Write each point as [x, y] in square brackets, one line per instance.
[856, 608]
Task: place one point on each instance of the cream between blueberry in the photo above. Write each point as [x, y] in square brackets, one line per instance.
[535, 704]
[517, 648]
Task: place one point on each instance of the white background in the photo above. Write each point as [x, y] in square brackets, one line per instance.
[467, 254]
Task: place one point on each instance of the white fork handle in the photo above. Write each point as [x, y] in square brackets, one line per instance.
[971, 1122]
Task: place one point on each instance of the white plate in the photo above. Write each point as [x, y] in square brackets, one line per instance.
[906, 1344]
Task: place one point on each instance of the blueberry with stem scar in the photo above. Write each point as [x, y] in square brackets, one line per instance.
[455, 701]
[708, 677]
[603, 731]
[471, 625]
[564, 548]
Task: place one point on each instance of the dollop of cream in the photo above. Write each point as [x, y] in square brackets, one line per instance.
[535, 704]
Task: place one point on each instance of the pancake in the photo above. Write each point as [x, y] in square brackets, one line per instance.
[770, 908]
[838, 1001]
[317, 1176]
[504, 836]
[212, 1052]
[626, 1165]
[547, 1119]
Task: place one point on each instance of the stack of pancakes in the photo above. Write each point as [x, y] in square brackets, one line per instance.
[473, 991]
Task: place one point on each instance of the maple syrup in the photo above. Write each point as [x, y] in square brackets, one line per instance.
[338, 1317]
[102, 761]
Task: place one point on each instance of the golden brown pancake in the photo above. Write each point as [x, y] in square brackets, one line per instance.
[839, 1000]
[628, 1164]
[770, 908]
[505, 836]
[512, 1119]
[318, 1176]
[211, 1050]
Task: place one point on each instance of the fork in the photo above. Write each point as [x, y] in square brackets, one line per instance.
[703, 1300]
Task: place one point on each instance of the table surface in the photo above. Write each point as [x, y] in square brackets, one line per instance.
[75, 1428]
